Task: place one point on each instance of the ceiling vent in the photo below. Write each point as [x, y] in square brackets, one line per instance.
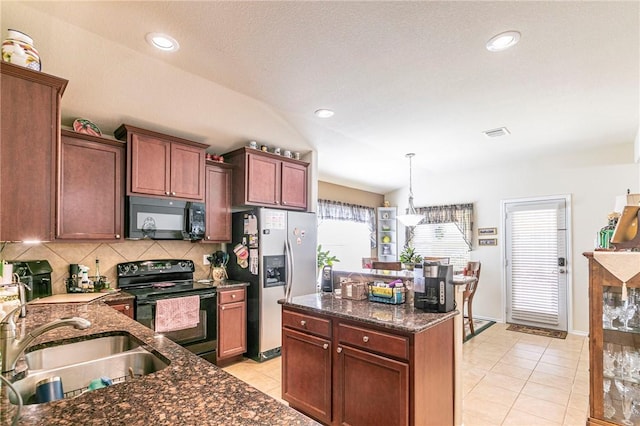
[496, 133]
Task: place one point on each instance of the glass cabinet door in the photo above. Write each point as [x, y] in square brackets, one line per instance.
[620, 373]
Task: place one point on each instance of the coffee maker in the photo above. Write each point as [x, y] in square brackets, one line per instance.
[433, 287]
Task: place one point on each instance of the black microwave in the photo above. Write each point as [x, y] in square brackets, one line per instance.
[164, 219]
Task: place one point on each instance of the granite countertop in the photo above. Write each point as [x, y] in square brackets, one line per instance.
[404, 317]
[189, 391]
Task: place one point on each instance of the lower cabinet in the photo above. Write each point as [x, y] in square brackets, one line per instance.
[125, 308]
[347, 372]
[306, 373]
[232, 323]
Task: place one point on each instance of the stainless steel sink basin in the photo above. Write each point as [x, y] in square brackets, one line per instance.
[77, 377]
[77, 352]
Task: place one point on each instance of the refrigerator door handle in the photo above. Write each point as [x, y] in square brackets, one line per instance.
[289, 276]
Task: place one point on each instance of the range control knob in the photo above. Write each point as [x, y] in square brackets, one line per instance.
[123, 269]
[133, 267]
[183, 265]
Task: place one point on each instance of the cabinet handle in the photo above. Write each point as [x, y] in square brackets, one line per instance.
[339, 350]
[365, 339]
[325, 346]
[303, 323]
[117, 235]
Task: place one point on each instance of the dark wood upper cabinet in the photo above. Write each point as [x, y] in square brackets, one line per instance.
[268, 180]
[29, 136]
[160, 165]
[91, 183]
[218, 202]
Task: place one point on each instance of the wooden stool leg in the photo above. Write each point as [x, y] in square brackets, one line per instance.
[470, 313]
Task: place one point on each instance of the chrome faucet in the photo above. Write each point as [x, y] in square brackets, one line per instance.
[11, 348]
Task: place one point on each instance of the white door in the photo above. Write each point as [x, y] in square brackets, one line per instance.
[536, 260]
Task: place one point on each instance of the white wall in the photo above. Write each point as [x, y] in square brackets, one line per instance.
[593, 178]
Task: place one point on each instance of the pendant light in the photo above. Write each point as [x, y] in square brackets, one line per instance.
[412, 218]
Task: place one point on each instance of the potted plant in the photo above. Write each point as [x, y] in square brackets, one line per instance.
[409, 257]
[325, 258]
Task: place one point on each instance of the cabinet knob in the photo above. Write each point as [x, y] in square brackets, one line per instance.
[325, 346]
[126, 307]
[117, 235]
[339, 350]
[222, 308]
[173, 193]
[233, 296]
[303, 323]
[167, 193]
[365, 339]
[284, 202]
[208, 237]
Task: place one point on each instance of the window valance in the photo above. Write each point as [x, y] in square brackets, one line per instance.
[459, 214]
[337, 210]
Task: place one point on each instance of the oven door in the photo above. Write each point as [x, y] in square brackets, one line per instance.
[202, 339]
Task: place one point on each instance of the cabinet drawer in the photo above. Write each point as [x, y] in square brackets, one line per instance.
[388, 344]
[319, 326]
[229, 296]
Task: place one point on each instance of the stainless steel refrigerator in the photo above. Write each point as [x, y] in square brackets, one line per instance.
[275, 251]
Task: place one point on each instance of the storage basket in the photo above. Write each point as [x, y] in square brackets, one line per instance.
[355, 290]
[393, 296]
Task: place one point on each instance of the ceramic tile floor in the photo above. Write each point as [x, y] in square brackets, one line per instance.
[509, 378]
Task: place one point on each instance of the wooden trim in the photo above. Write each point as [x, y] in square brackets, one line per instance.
[122, 131]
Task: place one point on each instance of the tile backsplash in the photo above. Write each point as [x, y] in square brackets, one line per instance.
[60, 255]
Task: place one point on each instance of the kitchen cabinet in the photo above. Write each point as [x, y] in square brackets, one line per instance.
[268, 180]
[387, 227]
[614, 350]
[218, 202]
[125, 308]
[30, 134]
[91, 184]
[307, 364]
[232, 324]
[346, 371]
[163, 166]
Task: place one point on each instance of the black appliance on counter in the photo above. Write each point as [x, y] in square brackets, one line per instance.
[433, 288]
[36, 274]
[164, 219]
[152, 280]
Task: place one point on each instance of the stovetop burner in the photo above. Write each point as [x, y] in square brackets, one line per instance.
[160, 278]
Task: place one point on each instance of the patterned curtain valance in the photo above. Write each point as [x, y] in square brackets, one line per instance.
[460, 214]
[350, 212]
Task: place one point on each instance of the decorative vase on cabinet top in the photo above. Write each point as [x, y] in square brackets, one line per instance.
[18, 49]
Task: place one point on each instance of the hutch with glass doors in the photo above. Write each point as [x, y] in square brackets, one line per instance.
[614, 338]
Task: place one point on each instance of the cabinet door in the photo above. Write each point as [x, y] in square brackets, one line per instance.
[232, 329]
[187, 172]
[29, 134]
[218, 204]
[90, 194]
[123, 308]
[370, 389]
[306, 373]
[294, 185]
[263, 180]
[150, 165]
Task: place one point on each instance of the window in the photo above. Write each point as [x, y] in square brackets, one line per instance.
[446, 231]
[347, 231]
[348, 241]
[442, 240]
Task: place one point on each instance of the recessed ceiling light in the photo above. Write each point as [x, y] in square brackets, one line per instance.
[503, 41]
[162, 42]
[324, 113]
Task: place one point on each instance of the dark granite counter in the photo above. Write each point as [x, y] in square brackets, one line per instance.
[189, 391]
[404, 317]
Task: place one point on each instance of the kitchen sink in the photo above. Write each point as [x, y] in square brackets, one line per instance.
[76, 378]
[77, 352]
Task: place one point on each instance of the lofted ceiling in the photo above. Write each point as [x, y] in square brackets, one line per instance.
[401, 76]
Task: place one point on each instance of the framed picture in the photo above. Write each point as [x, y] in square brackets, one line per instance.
[487, 231]
[488, 241]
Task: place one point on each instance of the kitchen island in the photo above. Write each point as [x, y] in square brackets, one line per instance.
[189, 391]
[359, 362]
